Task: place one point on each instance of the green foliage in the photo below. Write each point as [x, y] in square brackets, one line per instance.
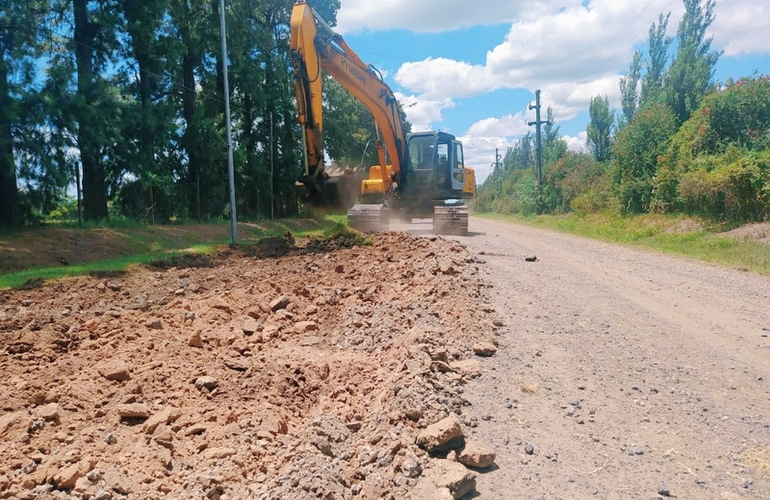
[578, 182]
[728, 187]
[635, 155]
[599, 130]
[658, 45]
[717, 161]
[688, 79]
[629, 92]
[739, 115]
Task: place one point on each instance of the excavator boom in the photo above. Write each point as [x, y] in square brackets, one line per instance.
[422, 174]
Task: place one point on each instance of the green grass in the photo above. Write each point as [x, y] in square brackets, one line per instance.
[673, 234]
[158, 245]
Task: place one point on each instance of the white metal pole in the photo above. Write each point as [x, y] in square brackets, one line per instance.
[228, 127]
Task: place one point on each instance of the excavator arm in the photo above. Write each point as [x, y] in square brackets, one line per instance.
[315, 47]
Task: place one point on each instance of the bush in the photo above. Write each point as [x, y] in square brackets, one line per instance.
[726, 187]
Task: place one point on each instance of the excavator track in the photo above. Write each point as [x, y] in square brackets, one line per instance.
[450, 220]
[368, 218]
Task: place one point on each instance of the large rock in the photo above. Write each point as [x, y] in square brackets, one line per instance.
[451, 476]
[442, 436]
[476, 455]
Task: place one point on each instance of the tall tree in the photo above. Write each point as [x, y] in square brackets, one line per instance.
[599, 129]
[554, 147]
[658, 43]
[20, 24]
[690, 75]
[88, 57]
[629, 87]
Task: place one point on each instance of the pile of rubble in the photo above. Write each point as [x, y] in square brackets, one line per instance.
[312, 375]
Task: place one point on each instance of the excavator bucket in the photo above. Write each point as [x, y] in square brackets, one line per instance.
[368, 218]
[450, 220]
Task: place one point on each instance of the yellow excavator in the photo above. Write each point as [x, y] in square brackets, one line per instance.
[419, 175]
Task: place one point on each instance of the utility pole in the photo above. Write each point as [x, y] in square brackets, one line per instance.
[539, 148]
[496, 164]
[228, 126]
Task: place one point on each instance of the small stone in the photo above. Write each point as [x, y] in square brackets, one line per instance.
[94, 475]
[209, 383]
[663, 490]
[305, 326]
[66, 478]
[111, 439]
[250, 326]
[484, 349]
[217, 453]
[155, 324]
[102, 494]
[529, 449]
[531, 258]
[133, 411]
[195, 340]
[279, 303]
[116, 370]
[49, 412]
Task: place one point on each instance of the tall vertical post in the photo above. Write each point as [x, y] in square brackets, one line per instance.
[539, 149]
[228, 126]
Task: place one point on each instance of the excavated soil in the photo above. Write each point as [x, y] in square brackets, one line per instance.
[240, 375]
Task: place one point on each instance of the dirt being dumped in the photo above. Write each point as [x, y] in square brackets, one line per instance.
[305, 376]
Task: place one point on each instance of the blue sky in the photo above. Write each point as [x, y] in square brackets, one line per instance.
[471, 68]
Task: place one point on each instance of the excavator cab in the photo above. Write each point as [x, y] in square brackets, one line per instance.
[435, 169]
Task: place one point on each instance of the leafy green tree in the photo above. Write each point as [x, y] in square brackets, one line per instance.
[554, 147]
[629, 88]
[599, 130]
[635, 153]
[93, 42]
[728, 127]
[690, 76]
[20, 45]
[573, 175]
[658, 45]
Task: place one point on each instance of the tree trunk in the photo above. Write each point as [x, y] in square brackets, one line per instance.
[10, 210]
[94, 178]
[191, 140]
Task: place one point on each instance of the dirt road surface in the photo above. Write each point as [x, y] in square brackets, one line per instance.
[621, 373]
[301, 370]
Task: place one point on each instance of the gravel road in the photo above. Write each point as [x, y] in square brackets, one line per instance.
[621, 373]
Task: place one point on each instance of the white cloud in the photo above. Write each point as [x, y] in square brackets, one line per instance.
[422, 112]
[432, 16]
[479, 153]
[507, 126]
[576, 143]
[740, 27]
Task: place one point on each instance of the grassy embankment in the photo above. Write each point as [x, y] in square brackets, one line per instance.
[673, 234]
[51, 253]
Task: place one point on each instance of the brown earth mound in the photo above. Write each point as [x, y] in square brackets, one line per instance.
[306, 376]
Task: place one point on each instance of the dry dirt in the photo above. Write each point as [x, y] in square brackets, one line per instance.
[305, 376]
[618, 373]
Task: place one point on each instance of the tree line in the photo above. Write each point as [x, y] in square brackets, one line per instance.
[124, 99]
[681, 143]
